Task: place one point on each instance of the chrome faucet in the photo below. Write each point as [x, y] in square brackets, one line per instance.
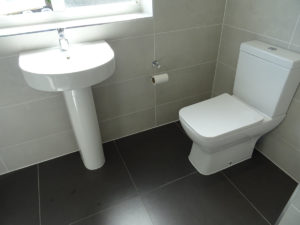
[63, 41]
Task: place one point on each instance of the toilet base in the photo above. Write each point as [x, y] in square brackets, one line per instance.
[209, 163]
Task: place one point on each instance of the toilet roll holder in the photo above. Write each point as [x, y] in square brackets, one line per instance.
[156, 64]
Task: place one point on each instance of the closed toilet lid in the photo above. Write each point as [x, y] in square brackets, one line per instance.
[220, 115]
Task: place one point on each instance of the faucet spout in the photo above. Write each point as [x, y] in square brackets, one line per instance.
[63, 41]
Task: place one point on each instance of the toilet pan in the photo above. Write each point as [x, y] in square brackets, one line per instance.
[224, 129]
[215, 149]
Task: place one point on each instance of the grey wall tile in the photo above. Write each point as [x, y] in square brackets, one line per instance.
[224, 80]
[13, 45]
[13, 88]
[296, 38]
[282, 154]
[168, 112]
[3, 168]
[187, 82]
[272, 22]
[126, 125]
[33, 120]
[125, 29]
[295, 48]
[232, 39]
[289, 129]
[297, 95]
[39, 150]
[276, 19]
[186, 48]
[125, 103]
[124, 98]
[178, 14]
[133, 58]
[291, 216]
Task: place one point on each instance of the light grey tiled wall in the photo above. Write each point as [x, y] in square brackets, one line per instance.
[275, 22]
[291, 213]
[184, 36]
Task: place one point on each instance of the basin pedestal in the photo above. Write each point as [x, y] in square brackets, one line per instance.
[81, 108]
[73, 73]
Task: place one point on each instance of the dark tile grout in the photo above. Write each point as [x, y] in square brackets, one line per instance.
[245, 197]
[235, 187]
[169, 183]
[39, 193]
[132, 180]
[180, 128]
[148, 192]
[155, 189]
[100, 211]
[125, 165]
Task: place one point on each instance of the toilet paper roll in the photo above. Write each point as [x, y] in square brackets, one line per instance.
[161, 78]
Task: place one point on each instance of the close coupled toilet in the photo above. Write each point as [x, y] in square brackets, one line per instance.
[224, 129]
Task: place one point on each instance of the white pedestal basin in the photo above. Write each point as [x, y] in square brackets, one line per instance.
[74, 72]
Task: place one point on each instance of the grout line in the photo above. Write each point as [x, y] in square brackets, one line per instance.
[39, 194]
[30, 101]
[42, 161]
[188, 28]
[245, 197]
[124, 115]
[226, 65]
[5, 166]
[101, 211]
[121, 81]
[296, 100]
[36, 139]
[219, 50]
[154, 58]
[190, 66]
[185, 98]
[149, 75]
[155, 106]
[284, 141]
[147, 109]
[180, 128]
[141, 131]
[129, 38]
[132, 180]
[294, 32]
[276, 164]
[169, 183]
[15, 55]
[125, 165]
[258, 34]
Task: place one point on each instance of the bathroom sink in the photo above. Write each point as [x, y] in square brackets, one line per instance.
[73, 70]
[83, 65]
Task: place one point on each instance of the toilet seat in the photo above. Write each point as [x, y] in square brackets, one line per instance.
[218, 117]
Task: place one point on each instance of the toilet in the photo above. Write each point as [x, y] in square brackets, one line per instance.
[224, 129]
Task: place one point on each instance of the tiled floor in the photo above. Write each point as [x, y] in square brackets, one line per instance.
[147, 180]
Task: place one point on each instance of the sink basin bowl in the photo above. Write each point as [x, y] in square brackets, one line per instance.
[74, 72]
[83, 65]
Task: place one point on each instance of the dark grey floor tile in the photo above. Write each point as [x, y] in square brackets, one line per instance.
[69, 191]
[200, 200]
[19, 202]
[157, 156]
[264, 184]
[130, 212]
[180, 127]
